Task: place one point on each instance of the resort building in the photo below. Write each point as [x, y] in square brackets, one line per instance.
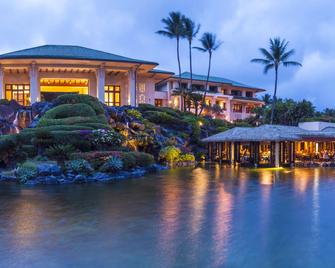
[309, 144]
[45, 72]
[236, 100]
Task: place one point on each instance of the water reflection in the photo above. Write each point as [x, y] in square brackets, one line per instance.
[214, 217]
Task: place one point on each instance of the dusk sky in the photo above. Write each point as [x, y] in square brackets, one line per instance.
[128, 28]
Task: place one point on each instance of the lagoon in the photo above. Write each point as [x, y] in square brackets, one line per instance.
[203, 217]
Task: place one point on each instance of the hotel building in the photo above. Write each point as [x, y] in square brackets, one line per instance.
[45, 72]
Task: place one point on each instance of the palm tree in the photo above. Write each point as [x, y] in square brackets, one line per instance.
[275, 57]
[191, 29]
[174, 29]
[209, 44]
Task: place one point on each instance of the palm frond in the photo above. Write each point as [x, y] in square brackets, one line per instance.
[200, 49]
[262, 61]
[165, 33]
[288, 54]
[268, 67]
[291, 63]
[266, 54]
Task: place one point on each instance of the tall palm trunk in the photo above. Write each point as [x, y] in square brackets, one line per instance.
[274, 96]
[179, 82]
[206, 85]
[191, 69]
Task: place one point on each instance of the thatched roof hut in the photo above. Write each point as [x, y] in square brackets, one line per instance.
[269, 133]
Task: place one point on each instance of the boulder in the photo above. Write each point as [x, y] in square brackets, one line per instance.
[80, 179]
[46, 169]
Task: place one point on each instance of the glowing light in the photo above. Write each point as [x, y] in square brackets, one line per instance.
[200, 123]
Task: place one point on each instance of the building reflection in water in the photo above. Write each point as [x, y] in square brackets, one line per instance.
[222, 224]
[316, 204]
[26, 217]
[301, 180]
[170, 221]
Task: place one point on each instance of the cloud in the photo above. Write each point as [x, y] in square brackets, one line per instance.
[128, 28]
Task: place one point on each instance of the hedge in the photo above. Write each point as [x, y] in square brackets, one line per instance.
[44, 122]
[70, 110]
[79, 98]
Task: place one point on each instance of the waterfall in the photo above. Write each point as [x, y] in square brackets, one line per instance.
[16, 128]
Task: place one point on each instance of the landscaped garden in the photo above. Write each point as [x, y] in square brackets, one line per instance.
[77, 139]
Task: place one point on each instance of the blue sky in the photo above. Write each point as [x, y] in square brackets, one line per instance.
[128, 28]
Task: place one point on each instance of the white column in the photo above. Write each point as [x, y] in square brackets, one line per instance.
[277, 164]
[2, 90]
[232, 152]
[228, 110]
[34, 88]
[132, 87]
[101, 75]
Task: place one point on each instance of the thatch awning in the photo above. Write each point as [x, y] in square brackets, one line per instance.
[268, 133]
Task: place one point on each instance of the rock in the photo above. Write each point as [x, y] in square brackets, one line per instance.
[46, 169]
[7, 177]
[80, 179]
[32, 182]
[50, 180]
[156, 168]
[120, 126]
[137, 126]
[98, 176]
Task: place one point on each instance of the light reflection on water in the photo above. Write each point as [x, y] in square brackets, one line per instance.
[215, 217]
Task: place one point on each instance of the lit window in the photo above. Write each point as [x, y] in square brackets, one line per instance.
[237, 108]
[19, 93]
[159, 102]
[112, 95]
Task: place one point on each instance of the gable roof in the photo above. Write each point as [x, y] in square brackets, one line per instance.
[214, 79]
[69, 52]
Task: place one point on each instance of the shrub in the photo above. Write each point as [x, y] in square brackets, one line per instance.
[129, 160]
[78, 98]
[169, 153]
[75, 120]
[26, 171]
[79, 166]
[170, 111]
[8, 148]
[30, 150]
[60, 152]
[186, 157]
[106, 137]
[113, 164]
[70, 110]
[43, 138]
[4, 102]
[57, 128]
[134, 113]
[143, 159]
[164, 118]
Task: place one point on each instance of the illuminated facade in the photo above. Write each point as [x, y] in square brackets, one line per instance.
[311, 144]
[45, 72]
[236, 100]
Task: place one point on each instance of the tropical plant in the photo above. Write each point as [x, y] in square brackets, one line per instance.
[26, 171]
[60, 152]
[169, 154]
[209, 44]
[191, 30]
[174, 29]
[277, 55]
[79, 166]
[113, 164]
[106, 137]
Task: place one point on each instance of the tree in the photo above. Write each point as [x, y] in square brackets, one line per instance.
[174, 29]
[209, 44]
[267, 99]
[191, 30]
[273, 59]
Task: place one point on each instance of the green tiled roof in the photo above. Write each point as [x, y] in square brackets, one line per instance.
[214, 79]
[69, 52]
[161, 71]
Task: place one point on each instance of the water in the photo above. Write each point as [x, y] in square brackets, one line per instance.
[183, 218]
